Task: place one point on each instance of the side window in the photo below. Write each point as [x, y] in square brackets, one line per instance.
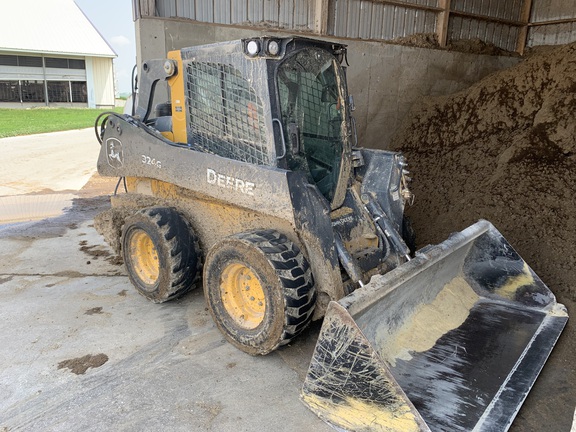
[205, 99]
[225, 116]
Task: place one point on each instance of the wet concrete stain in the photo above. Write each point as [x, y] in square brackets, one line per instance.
[80, 365]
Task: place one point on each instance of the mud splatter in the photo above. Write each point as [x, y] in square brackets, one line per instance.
[94, 311]
[92, 251]
[115, 260]
[80, 365]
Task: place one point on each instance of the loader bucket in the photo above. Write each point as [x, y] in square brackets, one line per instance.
[453, 340]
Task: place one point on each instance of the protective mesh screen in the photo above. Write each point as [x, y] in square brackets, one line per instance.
[225, 116]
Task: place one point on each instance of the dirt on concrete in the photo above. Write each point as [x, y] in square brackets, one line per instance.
[505, 150]
[80, 365]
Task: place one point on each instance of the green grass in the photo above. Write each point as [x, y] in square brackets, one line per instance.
[14, 122]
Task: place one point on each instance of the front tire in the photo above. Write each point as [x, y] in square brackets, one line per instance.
[161, 253]
[259, 289]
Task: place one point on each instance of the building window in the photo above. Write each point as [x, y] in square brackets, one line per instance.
[32, 91]
[24, 61]
[76, 64]
[9, 91]
[63, 63]
[8, 60]
[60, 63]
[27, 61]
[58, 91]
[79, 91]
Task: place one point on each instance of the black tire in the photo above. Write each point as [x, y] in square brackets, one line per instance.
[269, 310]
[161, 253]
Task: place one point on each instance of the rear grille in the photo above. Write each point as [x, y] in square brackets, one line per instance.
[225, 116]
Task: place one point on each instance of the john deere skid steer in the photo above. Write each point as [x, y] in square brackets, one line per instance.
[249, 179]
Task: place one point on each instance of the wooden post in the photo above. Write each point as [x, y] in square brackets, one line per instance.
[523, 33]
[442, 22]
[321, 17]
[147, 8]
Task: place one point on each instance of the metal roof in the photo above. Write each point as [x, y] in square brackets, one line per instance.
[50, 27]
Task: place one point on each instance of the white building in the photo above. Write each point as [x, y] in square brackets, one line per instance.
[52, 55]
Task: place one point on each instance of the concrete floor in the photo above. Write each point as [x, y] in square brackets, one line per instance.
[66, 304]
[63, 298]
[168, 367]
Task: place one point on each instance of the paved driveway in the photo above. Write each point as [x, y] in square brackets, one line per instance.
[40, 173]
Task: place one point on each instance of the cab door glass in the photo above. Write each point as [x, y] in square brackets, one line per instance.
[312, 110]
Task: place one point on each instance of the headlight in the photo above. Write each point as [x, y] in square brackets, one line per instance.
[252, 48]
[273, 48]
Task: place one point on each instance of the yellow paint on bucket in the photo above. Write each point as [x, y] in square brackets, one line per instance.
[356, 415]
[429, 322]
[508, 290]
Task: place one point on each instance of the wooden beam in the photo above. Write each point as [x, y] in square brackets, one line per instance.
[442, 22]
[489, 18]
[147, 8]
[552, 22]
[410, 5]
[321, 17]
[523, 33]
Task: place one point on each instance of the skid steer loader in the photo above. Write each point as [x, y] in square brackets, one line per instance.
[251, 175]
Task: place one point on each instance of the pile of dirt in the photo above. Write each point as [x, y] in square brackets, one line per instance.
[503, 150]
[473, 46]
[422, 40]
[477, 46]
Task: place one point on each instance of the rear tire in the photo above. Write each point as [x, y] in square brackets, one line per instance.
[161, 253]
[259, 289]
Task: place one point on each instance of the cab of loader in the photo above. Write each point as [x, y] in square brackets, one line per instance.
[269, 101]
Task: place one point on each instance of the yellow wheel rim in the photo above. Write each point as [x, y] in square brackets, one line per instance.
[144, 257]
[243, 296]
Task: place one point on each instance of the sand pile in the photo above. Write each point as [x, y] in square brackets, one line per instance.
[503, 150]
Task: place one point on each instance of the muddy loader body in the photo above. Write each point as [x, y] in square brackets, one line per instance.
[250, 183]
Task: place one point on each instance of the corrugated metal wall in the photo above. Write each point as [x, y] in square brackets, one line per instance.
[289, 14]
[365, 19]
[492, 21]
[553, 22]
[504, 24]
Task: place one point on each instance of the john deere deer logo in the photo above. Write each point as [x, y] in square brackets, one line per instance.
[114, 153]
